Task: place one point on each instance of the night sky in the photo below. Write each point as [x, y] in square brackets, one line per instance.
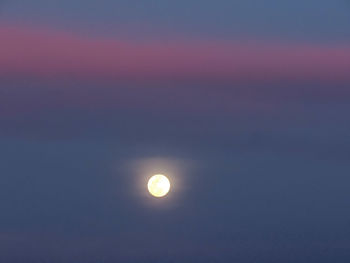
[243, 104]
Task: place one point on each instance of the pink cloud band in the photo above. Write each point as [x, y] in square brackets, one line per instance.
[39, 53]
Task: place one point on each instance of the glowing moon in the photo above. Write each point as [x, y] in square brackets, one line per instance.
[158, 185]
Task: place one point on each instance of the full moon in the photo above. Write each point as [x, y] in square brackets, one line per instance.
[158, 185]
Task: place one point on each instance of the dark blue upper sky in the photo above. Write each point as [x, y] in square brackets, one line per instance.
[309, 20]
[260, 165]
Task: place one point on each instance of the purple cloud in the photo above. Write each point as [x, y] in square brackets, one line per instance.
[47, 54]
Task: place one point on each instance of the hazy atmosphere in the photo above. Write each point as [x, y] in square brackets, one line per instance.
[244, 105]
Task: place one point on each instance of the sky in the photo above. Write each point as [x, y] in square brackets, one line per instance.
[244, 105]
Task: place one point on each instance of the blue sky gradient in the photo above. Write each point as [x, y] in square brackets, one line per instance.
[260, 168]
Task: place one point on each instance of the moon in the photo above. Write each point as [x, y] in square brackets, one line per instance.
[158, 185]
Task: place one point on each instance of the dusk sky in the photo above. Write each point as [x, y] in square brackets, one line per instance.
[243, 104]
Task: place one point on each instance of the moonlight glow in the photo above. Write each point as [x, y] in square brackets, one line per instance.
[158, 185]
